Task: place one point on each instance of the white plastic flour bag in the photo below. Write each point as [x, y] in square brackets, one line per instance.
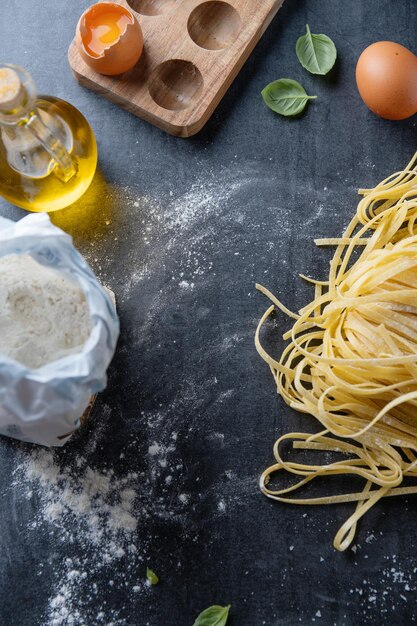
[44, 405]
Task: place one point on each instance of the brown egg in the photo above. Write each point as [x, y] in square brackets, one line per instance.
[386, 76]
[109, 38]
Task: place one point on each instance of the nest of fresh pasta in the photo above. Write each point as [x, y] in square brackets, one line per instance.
[351, 357]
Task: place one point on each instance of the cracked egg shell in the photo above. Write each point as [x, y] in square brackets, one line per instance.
[109, 38]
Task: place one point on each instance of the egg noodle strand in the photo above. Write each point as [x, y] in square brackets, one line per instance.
[351, 357]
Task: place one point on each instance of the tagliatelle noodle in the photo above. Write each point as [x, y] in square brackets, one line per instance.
[351, 357]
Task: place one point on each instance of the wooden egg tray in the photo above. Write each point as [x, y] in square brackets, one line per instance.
[193, 51]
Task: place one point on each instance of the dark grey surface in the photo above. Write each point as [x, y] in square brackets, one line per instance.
[186, 362]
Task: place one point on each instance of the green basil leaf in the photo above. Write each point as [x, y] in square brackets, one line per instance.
[316, 53]
[213, 616]
[151, 576]
[286, 97]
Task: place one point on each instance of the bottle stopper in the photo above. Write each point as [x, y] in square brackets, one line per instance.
[11, 89]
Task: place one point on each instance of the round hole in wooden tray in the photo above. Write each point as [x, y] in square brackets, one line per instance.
[152, 7]
[176, 84]
[214, 25]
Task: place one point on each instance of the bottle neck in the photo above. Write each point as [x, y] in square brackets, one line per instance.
[17, 95]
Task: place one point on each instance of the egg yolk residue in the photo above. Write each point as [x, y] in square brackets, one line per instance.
[103, 30]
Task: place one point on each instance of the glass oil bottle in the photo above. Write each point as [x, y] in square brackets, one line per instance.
[48, 152]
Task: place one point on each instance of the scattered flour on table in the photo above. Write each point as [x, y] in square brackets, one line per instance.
[203, 200]
[183, 227]
[94, 510]
[99, 521]
[396, 584]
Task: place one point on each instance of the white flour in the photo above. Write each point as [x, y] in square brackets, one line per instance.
[43, 315]
[91, 508]
[99, 520]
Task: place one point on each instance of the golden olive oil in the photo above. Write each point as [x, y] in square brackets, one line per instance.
[48, 152]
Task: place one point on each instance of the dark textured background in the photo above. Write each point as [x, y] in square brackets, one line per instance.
[186, 361]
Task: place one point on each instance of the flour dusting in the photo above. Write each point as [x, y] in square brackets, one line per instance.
[99, 520]
[92, 509]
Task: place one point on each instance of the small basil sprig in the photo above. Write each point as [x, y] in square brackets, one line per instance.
[151, 576]
[213, 616]
[316, 53]
[286, 97]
